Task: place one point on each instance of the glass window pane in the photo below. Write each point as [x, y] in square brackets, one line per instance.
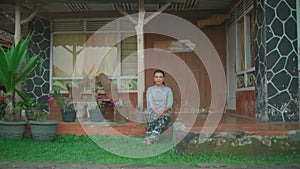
[129, 56]
[242, 44]
[252, 37]
[99, 56]
[65, 50]
[63, 83]
[128, 84]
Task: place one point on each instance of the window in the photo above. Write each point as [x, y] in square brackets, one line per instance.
[128, 56]
[80, 52]
[241, 32]
[246, 54]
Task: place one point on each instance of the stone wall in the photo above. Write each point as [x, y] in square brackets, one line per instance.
[237, 143]
[38, 82]
[276, 59]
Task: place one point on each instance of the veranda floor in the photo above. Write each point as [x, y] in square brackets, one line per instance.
[225, 122]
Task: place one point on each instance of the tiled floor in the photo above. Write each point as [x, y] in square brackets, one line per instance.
[231, 122]
[202, 122]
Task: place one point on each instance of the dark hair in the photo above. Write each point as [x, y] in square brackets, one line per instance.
[159, 71]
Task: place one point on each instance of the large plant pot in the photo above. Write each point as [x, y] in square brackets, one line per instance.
[12, 130]
[43, 130]
[96, 115]
[69, 115]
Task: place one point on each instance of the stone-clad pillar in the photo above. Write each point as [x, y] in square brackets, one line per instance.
[276, 60]
[38, 82]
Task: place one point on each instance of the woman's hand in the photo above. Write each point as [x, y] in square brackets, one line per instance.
[161, 113]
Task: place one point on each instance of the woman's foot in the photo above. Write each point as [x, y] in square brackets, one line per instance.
[148, 142]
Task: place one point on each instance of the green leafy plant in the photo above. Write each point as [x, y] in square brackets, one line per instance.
[34, 103]
[40, 116]
[33, 109]
[61, 101]
[15, 66]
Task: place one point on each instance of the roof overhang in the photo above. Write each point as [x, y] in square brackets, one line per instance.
[51, 9]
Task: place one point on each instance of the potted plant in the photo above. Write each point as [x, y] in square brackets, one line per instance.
[97, 112]
[43, 129]
[33, 107]
[122, 111]
[65, 105]
[15, 66]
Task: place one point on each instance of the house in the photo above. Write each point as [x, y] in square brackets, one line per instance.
[238, 55]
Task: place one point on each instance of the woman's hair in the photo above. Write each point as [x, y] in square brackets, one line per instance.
[159, 71]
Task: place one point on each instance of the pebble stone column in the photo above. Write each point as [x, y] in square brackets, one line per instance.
[38, 82]
[276, 61]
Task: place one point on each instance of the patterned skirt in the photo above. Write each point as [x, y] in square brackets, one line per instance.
[156, 124]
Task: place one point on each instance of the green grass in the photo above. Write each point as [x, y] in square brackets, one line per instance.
[81, 149]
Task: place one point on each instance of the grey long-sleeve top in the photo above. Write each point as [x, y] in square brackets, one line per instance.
[159, 98]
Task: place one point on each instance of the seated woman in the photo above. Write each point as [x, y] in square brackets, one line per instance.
[159, 104]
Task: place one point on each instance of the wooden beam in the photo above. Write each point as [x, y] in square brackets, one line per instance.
[95, 1]
[129, 17]
[157, 13]
[140, 56]
[17, 21]
[32, 15]
[216, 19]
[91, 14]
[200, 14]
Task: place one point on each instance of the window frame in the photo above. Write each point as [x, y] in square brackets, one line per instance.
[119, 76]
[247, 50]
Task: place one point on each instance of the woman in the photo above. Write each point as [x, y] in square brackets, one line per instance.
[159, 105]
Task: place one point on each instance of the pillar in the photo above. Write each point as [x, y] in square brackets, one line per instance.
[276, 61]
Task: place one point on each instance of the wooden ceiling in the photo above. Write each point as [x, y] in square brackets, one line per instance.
[108, 8]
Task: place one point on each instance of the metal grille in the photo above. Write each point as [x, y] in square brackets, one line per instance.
[62, 26]
[103, 24]
[77, 7]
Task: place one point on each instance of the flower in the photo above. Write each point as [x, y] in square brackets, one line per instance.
[102, 102]
[60, 100]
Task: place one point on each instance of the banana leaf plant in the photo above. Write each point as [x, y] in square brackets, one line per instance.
[15, 66]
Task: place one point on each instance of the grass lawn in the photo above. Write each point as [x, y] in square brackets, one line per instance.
[83, 149]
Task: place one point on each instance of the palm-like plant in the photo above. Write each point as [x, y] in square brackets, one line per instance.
[15, 66]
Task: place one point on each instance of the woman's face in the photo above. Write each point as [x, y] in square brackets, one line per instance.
[159, 78]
